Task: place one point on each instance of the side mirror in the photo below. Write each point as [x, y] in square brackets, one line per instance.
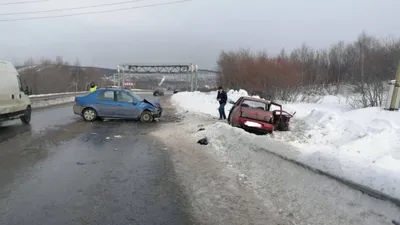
[26, 91]
[231, 102]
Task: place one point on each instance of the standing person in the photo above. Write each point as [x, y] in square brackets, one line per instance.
[93, 87]
[222, 97]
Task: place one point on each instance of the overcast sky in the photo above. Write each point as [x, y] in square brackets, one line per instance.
[194, 31]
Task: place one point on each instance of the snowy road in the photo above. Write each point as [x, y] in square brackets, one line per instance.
[356, 146]
[63, 170]
[290, 192]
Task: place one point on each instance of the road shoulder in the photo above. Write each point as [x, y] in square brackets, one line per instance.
[252, 186]
[216, 194]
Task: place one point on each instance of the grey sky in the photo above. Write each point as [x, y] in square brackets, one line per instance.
[194, 31]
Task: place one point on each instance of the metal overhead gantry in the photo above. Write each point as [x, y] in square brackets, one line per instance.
[160, 69]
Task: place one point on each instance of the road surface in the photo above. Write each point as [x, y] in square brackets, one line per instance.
[61, 170]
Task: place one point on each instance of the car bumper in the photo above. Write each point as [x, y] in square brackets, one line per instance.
[11, 116]
[77, 109]
[157, 113]
[255, 125]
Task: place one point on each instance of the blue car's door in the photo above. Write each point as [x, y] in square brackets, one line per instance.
[127, 106]
[106, 104]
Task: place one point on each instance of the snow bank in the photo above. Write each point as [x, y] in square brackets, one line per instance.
[22, 69]
[361, 145]
[52, 94]
[51, 102]
[205, 102]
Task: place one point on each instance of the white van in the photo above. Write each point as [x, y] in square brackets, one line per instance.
[14, 103]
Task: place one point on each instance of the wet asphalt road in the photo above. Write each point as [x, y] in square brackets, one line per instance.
[61, 170]
[42, 120]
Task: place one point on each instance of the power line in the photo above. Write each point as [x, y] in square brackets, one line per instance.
[96, 12]
[67, 9]
[24, 2]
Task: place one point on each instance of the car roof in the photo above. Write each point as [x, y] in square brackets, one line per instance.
[256, 99]
[112, 89]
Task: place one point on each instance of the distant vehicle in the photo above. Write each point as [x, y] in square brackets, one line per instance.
[116, 103]
[14, 99]
[158, 92]
[256, 115]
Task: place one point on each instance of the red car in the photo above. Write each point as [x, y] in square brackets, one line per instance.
[257, 115]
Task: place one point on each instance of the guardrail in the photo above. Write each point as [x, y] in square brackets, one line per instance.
[71, 94]
[46, 100]
[142, 90]
[56, 95]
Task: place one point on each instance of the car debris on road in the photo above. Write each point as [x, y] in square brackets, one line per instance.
[203, 141]
[158, 92]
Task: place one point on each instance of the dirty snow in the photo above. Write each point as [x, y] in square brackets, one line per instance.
[233, 180]
[51, 102]
[361, 145]
[52, 94]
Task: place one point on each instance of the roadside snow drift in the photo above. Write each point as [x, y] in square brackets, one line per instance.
[361, 145]
[51, 102]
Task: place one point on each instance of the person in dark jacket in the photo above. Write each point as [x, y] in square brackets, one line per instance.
[222, 97]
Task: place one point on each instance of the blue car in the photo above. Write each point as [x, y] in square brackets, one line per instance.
[116, 103]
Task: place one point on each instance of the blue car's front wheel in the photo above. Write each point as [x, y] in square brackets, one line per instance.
[146, 117]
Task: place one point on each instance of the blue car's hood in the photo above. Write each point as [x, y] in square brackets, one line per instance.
[153, 103]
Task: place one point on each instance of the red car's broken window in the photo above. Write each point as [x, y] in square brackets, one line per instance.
[255, 105]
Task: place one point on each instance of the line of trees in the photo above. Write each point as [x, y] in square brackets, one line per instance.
[363, 67]
[55, 76]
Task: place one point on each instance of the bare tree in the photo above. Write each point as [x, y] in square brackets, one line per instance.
[47, 76]
[29, 74]
[76, 74]
[305, 73]
[59, 61]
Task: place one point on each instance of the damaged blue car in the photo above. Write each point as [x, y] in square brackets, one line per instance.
[116, 103]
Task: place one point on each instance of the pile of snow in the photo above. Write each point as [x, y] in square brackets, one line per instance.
[22, 69]
[52, 94]
[361, 145]
[205, 102]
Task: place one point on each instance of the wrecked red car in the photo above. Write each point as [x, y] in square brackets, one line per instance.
[258, 115]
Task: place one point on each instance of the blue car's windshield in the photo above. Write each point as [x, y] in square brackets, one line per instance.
[139, 98]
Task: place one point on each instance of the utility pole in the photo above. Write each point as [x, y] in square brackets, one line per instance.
[77, 67]
[77, 79]
[191, 76]
[187, 81]
[393, 96]
[117, 74]
[123, 77]
[195, 77]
